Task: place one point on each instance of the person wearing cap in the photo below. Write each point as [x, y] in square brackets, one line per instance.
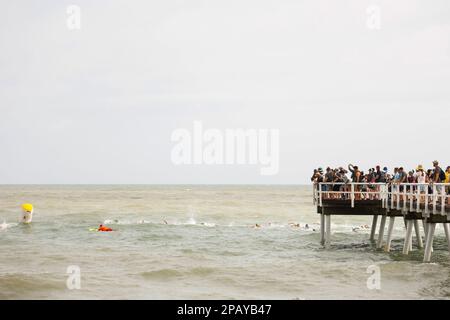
[422, 180]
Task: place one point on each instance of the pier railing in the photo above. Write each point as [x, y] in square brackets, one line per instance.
[408, 197]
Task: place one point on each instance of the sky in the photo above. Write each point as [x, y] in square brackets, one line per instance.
[99, 104]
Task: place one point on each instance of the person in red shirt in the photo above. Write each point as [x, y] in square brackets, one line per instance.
[104, 229]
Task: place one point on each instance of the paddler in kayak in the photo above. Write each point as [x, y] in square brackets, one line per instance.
[102, 228]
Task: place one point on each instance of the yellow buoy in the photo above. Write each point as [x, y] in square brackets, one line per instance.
[27, 207]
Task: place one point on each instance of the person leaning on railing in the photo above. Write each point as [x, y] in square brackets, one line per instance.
[440, 176]
[422, 180]
[447, 180]
[318, 178]
[328, 178]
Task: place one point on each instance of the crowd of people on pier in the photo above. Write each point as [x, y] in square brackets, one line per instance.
[339, 179]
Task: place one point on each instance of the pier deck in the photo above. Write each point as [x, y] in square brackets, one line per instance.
[391, 202]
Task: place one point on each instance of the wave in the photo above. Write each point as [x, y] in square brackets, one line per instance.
[294, 226]
[126, 222]
[5, 226]
[311, 227]
[161, 274]
[21, 285]
[193, 222]
[164, 274]
[190, 221]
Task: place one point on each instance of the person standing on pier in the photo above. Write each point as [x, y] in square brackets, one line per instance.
[395, 180]
[329, 177]
[317, 178]
[356, 178]
[411, 180]
[422, 180]
[379, 176]
[447, 180]
[438, 176]
[403, 177]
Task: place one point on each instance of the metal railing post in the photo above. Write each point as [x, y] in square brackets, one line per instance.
[314, 194]
[405, 201]
[411, 198]
[434, 198]
[444, 200]
[320, 194]
[392, 196]
[418, 197]
[353, 195]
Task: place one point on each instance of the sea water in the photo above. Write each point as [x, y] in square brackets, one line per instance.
[200, 242]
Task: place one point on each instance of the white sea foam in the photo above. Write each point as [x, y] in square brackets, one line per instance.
[3, 226]
[191, 220]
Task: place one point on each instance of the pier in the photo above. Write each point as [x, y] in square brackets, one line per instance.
[415, 203]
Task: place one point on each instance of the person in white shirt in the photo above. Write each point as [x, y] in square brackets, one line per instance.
[421, 178]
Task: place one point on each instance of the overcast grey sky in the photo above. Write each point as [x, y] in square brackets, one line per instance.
[99, 104]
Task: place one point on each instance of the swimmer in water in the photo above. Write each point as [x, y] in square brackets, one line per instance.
[102, 228]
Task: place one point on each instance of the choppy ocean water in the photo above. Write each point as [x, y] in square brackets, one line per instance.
[199, 242]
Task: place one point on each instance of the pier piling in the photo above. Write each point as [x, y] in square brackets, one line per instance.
[429, 243]
[389, 235]
[328, 231]
[418, 236]
[447, 234]
[408, 237]
[374, 228]
[322, 228]
[381, 232]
